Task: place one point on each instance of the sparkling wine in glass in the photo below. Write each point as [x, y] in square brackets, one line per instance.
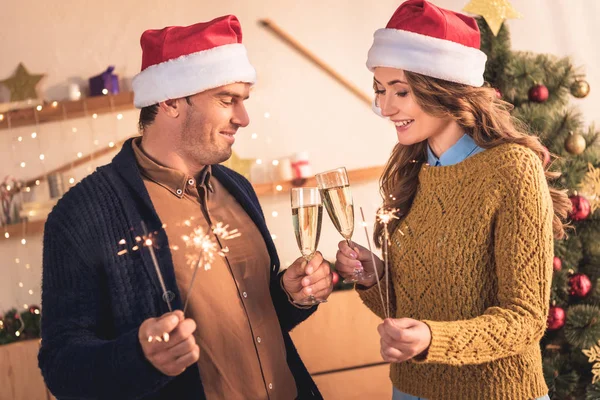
[337, 197]
[307, 215]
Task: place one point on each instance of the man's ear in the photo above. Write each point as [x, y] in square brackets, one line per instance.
[170, 107]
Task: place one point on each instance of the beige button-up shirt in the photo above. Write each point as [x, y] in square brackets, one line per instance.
[242, 352]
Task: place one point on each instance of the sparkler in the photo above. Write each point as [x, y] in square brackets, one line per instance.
[207, 249]
[384, 216]
[385, 309]
[148, 240]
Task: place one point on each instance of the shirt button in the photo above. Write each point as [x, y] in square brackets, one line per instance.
[179, 191]
[191, 182]
[258, 339]
[245, 295]
[271, 386]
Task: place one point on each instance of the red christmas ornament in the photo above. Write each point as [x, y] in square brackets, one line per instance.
[580, 285]
[34, 309]
[557, 264]
[556, 318]
[538, 93]
[546, 159]
[581, 208]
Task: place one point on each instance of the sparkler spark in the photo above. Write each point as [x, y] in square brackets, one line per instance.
[207, 248]
[385, 215]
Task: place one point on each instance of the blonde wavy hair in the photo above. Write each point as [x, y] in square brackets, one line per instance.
[483, 116]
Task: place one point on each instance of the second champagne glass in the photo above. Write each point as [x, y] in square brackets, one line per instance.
[307, 214]
[335, 190]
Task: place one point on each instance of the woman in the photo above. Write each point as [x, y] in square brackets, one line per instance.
[471, 253]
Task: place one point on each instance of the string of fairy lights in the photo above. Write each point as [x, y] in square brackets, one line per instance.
[23, 143]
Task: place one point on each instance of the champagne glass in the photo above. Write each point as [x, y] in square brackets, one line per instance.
[307, 214]
[335, 190]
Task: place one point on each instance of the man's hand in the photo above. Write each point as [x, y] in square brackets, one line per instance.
[302, 279]
[168, 342]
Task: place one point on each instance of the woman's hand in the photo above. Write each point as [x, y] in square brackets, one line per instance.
[349, 258]
[403, 339]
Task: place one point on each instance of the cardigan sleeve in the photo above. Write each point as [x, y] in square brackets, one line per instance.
[523, 251]
[75, 361]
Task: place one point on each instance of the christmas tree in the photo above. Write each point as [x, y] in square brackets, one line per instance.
[540, 87]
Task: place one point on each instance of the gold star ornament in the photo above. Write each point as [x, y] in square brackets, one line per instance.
[22, 84]
[240, 165]
[493, 11]
[593, 355]
[590, 187]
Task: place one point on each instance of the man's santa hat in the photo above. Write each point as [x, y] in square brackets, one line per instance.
[180, 61]
[423, 38]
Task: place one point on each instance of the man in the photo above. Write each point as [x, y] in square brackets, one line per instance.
[107, 329]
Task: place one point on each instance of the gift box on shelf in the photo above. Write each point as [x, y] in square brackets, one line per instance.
[105, 83]
[301, 168]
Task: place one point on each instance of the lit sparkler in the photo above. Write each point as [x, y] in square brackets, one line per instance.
[207, 249]
[385, 309]
[384, 216]
[147, 240]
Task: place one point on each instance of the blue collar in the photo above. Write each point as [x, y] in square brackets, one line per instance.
[464, 148]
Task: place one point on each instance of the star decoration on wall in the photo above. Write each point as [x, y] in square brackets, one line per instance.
[22, 84]
[493, 11]
[239, 165]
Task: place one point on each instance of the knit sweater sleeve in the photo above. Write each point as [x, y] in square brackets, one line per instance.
[75, 360]
[372, 297]
[523, 249]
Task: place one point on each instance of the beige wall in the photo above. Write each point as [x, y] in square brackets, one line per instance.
[73, 40]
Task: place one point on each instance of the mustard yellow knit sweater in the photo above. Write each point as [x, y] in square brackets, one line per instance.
[475, 264]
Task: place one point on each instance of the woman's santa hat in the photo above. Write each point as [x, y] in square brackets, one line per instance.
[431, 41]
[180, 61]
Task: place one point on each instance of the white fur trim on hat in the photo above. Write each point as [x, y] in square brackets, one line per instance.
[426, 55]
[193, 73]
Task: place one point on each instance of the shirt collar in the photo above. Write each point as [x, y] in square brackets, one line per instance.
[173, 180]
[455, 154]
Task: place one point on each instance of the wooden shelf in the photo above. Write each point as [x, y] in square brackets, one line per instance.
[355, 176]
[63, 110]
[22, 229]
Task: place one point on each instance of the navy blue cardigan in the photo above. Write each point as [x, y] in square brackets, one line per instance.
[94, 301]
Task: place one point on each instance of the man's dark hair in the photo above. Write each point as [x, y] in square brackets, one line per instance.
[147, 115]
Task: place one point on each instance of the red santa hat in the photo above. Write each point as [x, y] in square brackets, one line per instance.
[180, 61]
[429, 40]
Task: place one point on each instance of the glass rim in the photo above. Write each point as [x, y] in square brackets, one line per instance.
[332, 170]
[308, 192]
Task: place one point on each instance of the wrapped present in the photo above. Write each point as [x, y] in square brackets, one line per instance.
[301, 168]
[105, 83]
